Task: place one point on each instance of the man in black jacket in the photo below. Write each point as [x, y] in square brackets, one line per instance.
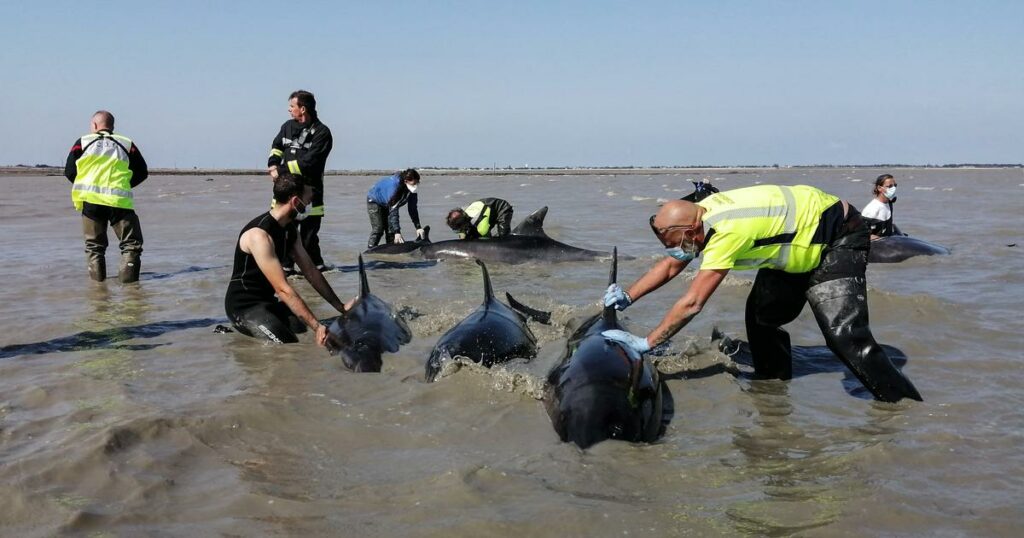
[302, 147]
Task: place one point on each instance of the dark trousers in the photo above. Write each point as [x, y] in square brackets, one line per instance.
[309, 230]
[379, 225]
[125, 222]
[837, 293]
[274, 322]
[503, 226]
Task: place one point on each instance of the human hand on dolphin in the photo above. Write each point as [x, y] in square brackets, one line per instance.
[618, 297]
[634, 345]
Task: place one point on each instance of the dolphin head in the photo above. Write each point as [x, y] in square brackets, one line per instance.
[364, 356]
[595, 412]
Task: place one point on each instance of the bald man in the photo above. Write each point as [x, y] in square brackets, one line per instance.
[808, 247]
[103, 168]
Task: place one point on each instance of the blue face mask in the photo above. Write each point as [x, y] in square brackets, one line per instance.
[684, 254]
[680, 254]
[890, 193]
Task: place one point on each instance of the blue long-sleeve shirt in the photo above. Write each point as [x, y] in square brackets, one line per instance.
[390, 192]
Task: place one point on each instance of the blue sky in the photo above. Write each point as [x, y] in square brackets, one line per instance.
[593, 83]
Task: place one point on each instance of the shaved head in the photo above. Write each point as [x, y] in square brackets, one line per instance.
[102, 120]
[677, 220]
[676, 213]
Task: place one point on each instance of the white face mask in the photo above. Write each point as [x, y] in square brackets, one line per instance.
[890, 193]
[302, 214]
[412, 187]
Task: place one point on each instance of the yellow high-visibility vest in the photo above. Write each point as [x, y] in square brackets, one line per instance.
[764, 226]
[103, 174]
[480, 216]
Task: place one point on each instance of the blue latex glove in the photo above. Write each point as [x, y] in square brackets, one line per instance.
[633, 344]
[618, 297]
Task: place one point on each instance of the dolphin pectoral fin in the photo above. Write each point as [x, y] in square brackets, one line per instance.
[536, 315]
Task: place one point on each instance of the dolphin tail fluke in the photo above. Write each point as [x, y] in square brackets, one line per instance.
[488, 290]
[536, 315]
[608, 314]
[533, 224]
[364, 286]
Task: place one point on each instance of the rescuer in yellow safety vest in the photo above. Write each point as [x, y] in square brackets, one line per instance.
[486, 217]
[808, 247]
[103, 168]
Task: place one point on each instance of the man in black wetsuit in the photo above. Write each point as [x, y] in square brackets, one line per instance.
[257, 275]
[301, 147]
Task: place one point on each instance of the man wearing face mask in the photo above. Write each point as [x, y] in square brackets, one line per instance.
[382, 202]
[301, 147]
[878, 212]
[808, 247]
[258, 276]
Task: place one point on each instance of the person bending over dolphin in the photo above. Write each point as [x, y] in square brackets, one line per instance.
[808, 246]
[258, 275]
[382, 202]
[483, 218]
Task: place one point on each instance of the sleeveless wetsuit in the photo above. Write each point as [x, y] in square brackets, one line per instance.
[250, 302]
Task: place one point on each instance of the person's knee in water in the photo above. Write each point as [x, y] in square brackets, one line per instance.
[259, 300]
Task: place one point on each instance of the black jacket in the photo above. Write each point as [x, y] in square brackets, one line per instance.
[307, 145]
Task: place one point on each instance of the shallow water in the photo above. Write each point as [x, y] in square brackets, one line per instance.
[123, 413]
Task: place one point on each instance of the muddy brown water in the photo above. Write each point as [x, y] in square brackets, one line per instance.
[123, 414]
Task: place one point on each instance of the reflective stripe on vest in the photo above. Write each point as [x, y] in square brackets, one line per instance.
[774, 224]
[481, 217]
[104, 177]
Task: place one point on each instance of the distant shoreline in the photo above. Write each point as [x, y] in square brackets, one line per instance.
[567, 171]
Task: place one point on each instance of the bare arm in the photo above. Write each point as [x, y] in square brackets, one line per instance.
[315, 277]
[258, 243]
[688, 306]
[656, 276]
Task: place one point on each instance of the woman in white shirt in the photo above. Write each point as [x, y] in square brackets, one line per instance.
[878, 212]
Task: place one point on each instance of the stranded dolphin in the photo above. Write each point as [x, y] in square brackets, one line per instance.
[896, 248]
[402, 248]
[492, 334]
[368, 329]
[598, 392]
[527, 243]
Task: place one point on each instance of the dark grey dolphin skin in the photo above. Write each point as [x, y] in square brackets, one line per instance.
[897, 248]
[368, 329]
[492, 334]
[527, 243]
[597, 392]
[402, 248]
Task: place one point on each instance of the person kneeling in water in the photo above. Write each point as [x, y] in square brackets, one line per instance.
[258, 276]
[488, 217]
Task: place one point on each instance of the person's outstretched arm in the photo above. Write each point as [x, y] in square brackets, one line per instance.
[315, 277]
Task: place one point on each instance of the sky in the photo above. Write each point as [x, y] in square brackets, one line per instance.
[523, 83]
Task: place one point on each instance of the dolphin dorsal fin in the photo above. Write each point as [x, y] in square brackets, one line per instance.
[533, 224]
[488, 291]
[608, 314]
[426, 235]
[364, 286]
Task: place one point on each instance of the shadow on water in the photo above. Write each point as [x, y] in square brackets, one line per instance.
[146, 275]
[107, 339]
[808, 360]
